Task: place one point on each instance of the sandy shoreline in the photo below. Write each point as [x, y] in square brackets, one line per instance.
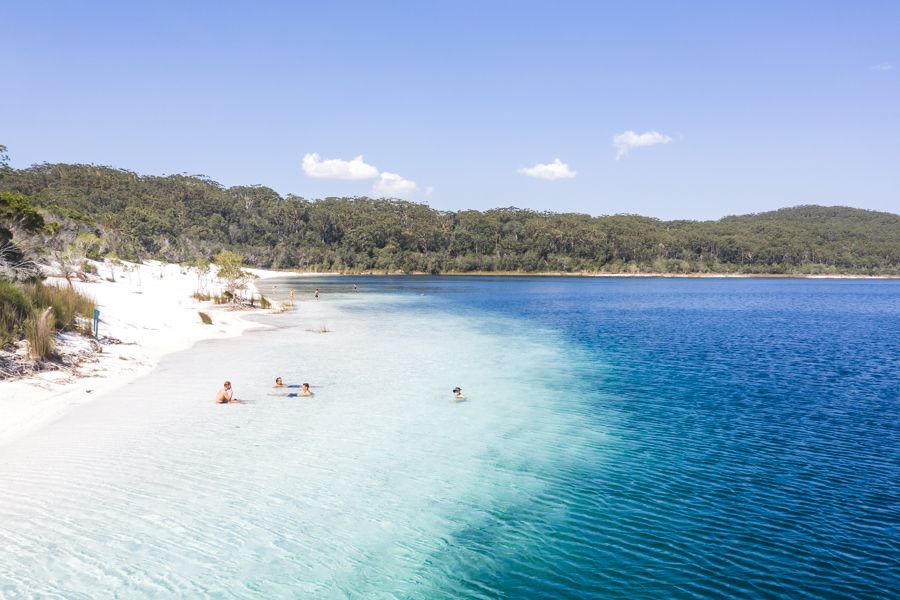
[148, 308]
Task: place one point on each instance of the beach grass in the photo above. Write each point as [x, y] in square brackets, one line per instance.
[67, 302]
[207, 320]
[40, 334]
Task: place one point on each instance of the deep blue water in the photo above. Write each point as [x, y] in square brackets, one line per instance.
[751, 441]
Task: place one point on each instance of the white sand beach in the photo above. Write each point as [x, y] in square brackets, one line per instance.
[150, 309]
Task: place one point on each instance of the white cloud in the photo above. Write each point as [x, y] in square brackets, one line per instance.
[335, 168]
[550, 171]
[627, 141]
[882, 67]
[386, 184]
[391, 185]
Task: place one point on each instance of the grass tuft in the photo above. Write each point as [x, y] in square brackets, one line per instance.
[207, 320]
[67, 302]
[40, 333]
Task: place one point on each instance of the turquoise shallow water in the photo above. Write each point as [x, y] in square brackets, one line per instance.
[651, 438]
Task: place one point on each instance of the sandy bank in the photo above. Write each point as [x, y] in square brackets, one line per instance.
[148, 308]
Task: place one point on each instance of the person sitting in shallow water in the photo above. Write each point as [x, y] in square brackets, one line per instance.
[304, 390]
[279, 383]
[457, 393]
[226, 394]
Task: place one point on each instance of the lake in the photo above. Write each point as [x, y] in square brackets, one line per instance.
[621, 438]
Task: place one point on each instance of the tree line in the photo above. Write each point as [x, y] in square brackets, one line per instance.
[180, 218]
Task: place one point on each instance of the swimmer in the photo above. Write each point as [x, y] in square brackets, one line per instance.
[226, 394]
[304, 390]
[279, 383]
[457, 393]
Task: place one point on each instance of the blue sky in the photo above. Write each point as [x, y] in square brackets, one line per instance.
[740, 107]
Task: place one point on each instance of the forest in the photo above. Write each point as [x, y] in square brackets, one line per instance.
[112, 212]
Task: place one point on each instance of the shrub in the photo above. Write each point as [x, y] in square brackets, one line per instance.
[67, 303]
[230, 270]
[15, 308]
[39, 332]
[264, 302]
[14, 265]
[201, 296]
[89, 245]
[88, 267]
[207, 320]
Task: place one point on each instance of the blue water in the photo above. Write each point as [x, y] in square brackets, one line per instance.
[752, 443]
[649, 438]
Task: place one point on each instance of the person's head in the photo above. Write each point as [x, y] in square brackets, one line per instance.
[457, 390]
[305, 386]
[278, 381]
[227, 385]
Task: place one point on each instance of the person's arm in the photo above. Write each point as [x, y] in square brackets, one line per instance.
[229, 395]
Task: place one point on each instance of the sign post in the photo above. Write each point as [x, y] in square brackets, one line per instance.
[96, 322]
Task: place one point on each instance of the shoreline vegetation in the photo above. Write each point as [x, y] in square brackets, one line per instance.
[588, 274]
[108, 212]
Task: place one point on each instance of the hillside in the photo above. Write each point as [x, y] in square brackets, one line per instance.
[180, 217]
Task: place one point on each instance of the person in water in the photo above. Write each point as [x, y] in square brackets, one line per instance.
[457, 393]
[279, 383]
[317, 293]
[226, 394]
[304, 390]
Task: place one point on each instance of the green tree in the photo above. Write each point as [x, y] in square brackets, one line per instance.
[180, 218]
[201, 266]
[231, 272]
